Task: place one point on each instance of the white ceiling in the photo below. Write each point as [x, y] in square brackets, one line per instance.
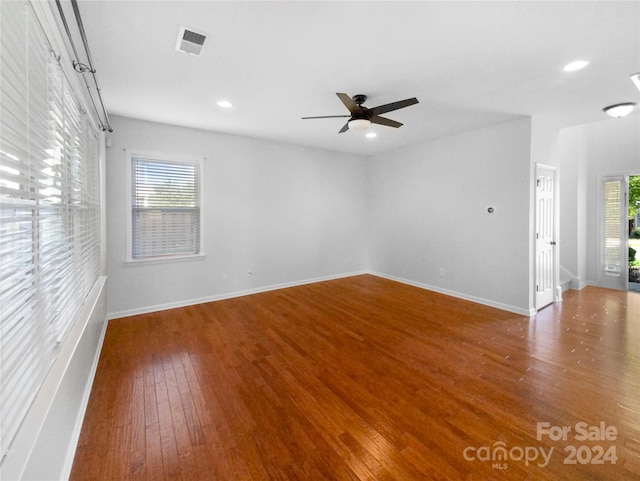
[470, 64]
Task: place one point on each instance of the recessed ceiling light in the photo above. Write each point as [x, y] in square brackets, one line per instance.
[371, 135]
[619, 110]
[225, 104]
[575, 65]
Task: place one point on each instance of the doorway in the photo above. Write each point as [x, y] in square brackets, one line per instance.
[545, 241]
[620, 234]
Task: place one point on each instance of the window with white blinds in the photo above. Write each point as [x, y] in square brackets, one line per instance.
[49, 211]
[165, 208]
[613, 225]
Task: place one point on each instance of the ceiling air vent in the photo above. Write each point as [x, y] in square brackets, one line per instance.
[190, 42]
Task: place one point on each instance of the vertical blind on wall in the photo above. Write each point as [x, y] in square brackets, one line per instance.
[165, 203]
[614, 220]
[49, 211]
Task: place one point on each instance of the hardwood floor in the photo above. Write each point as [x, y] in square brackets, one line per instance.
[367, 379]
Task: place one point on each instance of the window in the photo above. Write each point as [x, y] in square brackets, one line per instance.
[165, 208]
[49, 211]
[614, 220]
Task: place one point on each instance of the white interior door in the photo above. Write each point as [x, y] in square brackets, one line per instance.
[614, 256]
[545, 236]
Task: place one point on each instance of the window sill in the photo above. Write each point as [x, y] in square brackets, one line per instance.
[165, 259]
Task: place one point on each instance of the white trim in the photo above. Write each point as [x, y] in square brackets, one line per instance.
[574, 281]
[583, 284]
[557, 294]
[23, 455]
[459, 295]
[84, 403]
[273, 287]
[602, 273]
[165, 259]
[228, 295]
[177, 158]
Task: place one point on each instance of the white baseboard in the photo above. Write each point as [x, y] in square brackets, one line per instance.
[459, 295]
[230, 295]
[227, 295]
[575, 282]
[77, 429]
[583, 284]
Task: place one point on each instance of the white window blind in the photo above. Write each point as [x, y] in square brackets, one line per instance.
[49, 211]
[613, 225]
[165, 202]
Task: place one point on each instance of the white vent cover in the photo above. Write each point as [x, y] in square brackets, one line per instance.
[189, 41]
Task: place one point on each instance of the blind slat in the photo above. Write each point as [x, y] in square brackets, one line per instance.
[165, 208]
[612, 225]
[49, 211]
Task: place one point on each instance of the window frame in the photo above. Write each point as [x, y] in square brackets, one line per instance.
[169, 158]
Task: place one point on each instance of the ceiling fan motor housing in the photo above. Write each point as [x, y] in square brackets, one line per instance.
[359, 99]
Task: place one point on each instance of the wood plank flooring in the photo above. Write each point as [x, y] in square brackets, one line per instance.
[367, 379]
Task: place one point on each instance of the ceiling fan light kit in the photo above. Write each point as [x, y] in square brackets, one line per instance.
[619, 110]
[625, 108]
[359, 124]
[362, 117]
[635, 78]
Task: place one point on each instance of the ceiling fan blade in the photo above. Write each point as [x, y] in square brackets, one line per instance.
[326, 117]
[376, 119]
[383, 109]
[348, 102]
[344, 128]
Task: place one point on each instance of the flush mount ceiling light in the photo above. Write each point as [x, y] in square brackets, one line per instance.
[225, 104]
[619, 110]
[359, 124]
[635, 78]
[575, 65]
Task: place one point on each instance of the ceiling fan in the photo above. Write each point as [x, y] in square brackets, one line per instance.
[361, 117]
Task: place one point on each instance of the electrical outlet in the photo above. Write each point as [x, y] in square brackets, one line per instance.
[441, 272]
[224, 277]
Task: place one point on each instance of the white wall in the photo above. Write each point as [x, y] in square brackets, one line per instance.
[544, 142]
[429, 223]
[613, 147]
[292, 214]
[544, 151]
[589, 152]
[573, 205]
[287, 213]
